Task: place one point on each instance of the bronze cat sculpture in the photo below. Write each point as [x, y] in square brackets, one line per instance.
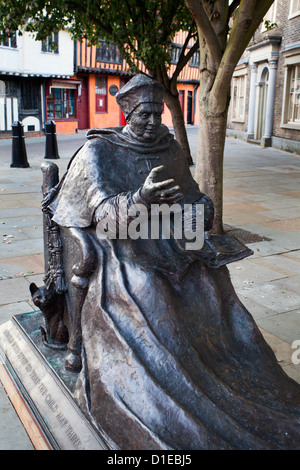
[52, 307]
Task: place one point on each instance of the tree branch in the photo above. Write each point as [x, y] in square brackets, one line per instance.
[183, 59]
[205, 29]
[249, 15]
[232, 7]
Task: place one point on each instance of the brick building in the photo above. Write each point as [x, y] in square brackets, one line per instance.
[265, 103]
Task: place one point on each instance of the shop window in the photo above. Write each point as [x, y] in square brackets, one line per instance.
[50, 44]
[294, 8]
[292, 99]
[101, 94]
[238, 98]
[61, 104]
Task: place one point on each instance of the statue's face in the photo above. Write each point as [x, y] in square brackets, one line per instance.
[145, 121]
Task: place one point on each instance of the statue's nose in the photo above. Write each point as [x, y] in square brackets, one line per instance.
[151, 119]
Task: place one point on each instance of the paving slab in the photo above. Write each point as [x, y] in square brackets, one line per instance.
[279, 214]
[14, 290]
[280, 264]
[12, 434]
[21, 247]
[21, 265]
[285, 325]
[255, 309]
[266, 248]
[248, 273]
[272, 296]
[282, 349]
[7, 311]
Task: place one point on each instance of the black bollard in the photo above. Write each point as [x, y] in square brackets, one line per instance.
[19, 153]
[51, 150]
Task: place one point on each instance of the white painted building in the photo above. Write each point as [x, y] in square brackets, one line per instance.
[265, 97]
[26, 66]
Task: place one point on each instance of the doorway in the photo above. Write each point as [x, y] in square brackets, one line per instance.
[262, 101]
[83, 104]
[189, 118]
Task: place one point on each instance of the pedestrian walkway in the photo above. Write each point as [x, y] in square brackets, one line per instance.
[261, 195]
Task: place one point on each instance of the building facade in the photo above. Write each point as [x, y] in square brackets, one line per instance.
[30, 72]
[74, 84]
[265, 96]
[103, 72]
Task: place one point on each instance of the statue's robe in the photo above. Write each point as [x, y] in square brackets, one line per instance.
[171, 358]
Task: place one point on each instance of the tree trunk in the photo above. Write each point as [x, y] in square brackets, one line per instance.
[178, 123]
[209, 164]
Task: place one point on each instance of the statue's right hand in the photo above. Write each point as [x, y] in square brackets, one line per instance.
[166, 191]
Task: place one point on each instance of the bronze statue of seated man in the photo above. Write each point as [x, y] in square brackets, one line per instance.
[171, 359]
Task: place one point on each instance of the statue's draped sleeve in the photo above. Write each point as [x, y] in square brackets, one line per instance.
[83, 190]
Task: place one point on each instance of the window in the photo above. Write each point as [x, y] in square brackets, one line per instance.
[238, 98]
[61, 104]
[175, 53]
[9, 42]
[292, 108]
[294, 8]
[2, 88]
[108, 53]
[30, 92]
[270, 17]
[50, 44]
[101, 94]
[195, 60]
[8, 88]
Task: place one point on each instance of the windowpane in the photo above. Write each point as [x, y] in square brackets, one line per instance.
[29, 95]
[101, 86]
[101, 94]
[58, 109]
[295, 6]
[238, 98]
[175, 53]
[2, 88]
[9, 42]
[108, 53]
[293, 113]
[61, 104]
[195, 60]
[50, 110]
[50, 44]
